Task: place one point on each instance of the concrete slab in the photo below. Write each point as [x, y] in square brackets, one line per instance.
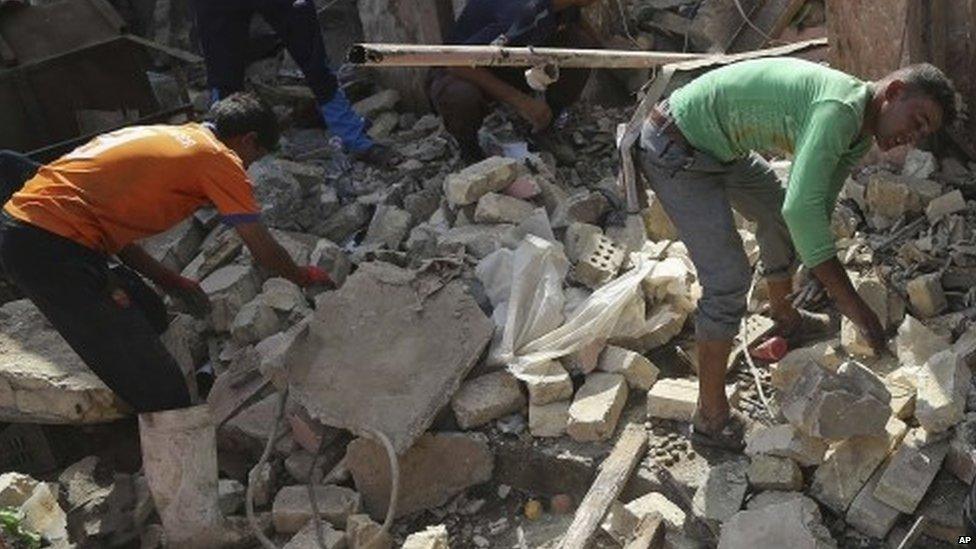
[368, 360]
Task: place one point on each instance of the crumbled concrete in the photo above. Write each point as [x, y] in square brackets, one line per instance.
[891, 196]
[849, 465]
[961, 458]
[786, 441]
[388, 227]
[547, 382]
[926, 295]
[721, 495]
[363, 533]
[941, 508]
[943, 382]
[916, 342]
[492, 174]
[500, 208]
[640, 372]
[910, 472]
[434, 537]
[775, 473]
[673, 398]
[329, 256]
[306, 538]
[477, 240]
[230, 496]
[944, 205]
[254, 322]
[852, 402]
[229, 288]
[662, 323]
[42, 379]
[292, 509]
[549, 420]
[176, 247]
[870, 515]
[487, 397]
[348, 375]
[578, 234]
[621, 520]
[435, 469]
[597, 406]
[794, 523]
[599, 261]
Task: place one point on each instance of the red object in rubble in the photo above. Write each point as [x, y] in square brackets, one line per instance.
[771, 350]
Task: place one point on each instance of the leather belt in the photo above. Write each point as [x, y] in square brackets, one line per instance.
[661, 118]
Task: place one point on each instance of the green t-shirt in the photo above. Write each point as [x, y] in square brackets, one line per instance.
[786, 106]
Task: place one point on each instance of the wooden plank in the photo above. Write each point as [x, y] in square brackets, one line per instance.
[614, 472]
[649, 533]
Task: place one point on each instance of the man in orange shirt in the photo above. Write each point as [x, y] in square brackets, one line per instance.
[58, 232]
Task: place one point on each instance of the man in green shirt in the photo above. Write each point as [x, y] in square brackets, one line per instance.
[699, 155]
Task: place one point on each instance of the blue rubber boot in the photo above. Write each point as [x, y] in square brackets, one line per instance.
[345, 123]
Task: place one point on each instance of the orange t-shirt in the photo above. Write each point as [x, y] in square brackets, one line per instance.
[133, 183]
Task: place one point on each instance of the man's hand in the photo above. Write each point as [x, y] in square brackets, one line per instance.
[316, 276]
[850, 304]
[536, 112]
[188, 292]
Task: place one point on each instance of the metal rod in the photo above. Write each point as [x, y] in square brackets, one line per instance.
[410, 55]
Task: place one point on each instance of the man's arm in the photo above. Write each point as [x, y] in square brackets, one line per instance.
[268, 253]
[536, 111]
[135, 257]
[186, 290]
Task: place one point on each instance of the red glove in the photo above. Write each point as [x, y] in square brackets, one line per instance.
[316, 276]
[187, 291]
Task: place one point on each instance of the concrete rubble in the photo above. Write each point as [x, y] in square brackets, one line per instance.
[794, 523]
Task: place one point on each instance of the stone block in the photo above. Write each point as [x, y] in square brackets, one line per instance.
[794, 523]
[597, 406]
[927, 295]
[500, 208]
[943, 383]
[585, 359]
[910, 472]
[774, 473]
[599, 261]
[229, 288]
[477, 240]
[868, 514]
[330, 257]
[176, 247]
[254, 322]
[576, 235]
[389, 227]
[621, 520]
[547, 382]
[549, 420]
[306, 538]
[345, 222]
[901, 383]
[891, 196]
[371, 106]
[673, 398]
[283, 295]
[292, 508]
[583, 207]
[853, 342]
[661, 325]
[916, 342]
[639, 372]
[434, 537]
[852, 402]
[961, 458]
[438, 467]
[364, 533]
[720, 495]
[944, 205]
[848, 466]
[920, 164]
[492, 174]
[785, 441]
[487, 397]
[941, 508]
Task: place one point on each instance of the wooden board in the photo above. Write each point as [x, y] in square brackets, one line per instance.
[649, 533]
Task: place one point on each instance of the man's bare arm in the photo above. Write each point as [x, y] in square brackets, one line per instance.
[137, 258]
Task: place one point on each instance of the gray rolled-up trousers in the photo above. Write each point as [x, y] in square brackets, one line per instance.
[698, 192]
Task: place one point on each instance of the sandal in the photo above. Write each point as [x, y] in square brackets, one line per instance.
[731, 437]
[812, 327]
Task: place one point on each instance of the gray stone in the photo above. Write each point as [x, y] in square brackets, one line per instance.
[347, 221]
[785, 441]
[622, 520]
[775, 473]
[941, 508]
[229, 288]
[377, 103]
[176, 247]
[477, 240]
[920, 164]
[254, 322]
[721, 495]
[585, 207]
[916, 342]
[185, 342]
[487, 397]
[492, 174]
[577, 234]
[944, 205]
[282, 295]
[943, 383]
[910, 472]
[852, 402]
[961, 458]
[795, 523]
[308, 175]
[230, 496]
[640, 372]
[547, 382]
[849, 465]
[870, 515]
[357, 364]
[673, 399]
[549, 420]
[597, 406]
[278, 192]
[306, 538]
[292, 508]
[330, 257]
[438, 467]
[388, 228]
[42, 379]
[363, 533]
[926, 295]
[383, 125]
[500, 208]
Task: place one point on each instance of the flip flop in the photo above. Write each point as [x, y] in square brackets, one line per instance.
[731, 437]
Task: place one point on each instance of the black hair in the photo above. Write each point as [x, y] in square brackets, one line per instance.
[242, 113]
[926, 79]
